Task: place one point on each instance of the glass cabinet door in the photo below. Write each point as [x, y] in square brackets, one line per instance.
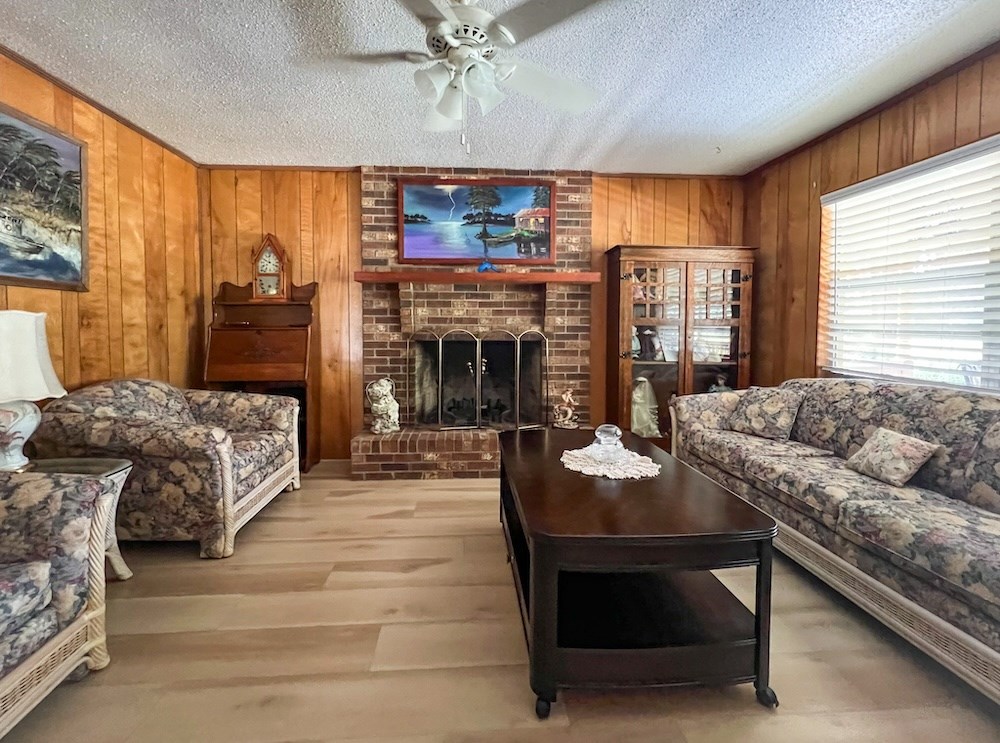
[655, 344]
[717, 294]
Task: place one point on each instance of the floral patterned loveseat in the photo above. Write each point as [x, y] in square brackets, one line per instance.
[204, 462]
[923, 558]
[52, 535]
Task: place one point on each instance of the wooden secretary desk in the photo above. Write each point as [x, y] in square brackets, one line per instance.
[269, 345]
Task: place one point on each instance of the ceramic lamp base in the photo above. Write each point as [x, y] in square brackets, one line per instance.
[18, 420]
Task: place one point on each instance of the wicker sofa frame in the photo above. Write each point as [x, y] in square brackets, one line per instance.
[967, 657]
[236, 514]
[82, 641]
[147, 429]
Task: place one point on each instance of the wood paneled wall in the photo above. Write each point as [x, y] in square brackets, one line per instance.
[164, 234]
[140, 315]
[654, 211]
[783, 213]
[316, 216]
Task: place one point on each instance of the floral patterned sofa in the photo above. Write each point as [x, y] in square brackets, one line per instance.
[52, 532]
[204, 462]
[924, 558]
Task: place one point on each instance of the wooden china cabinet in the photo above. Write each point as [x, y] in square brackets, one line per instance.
[678, 323]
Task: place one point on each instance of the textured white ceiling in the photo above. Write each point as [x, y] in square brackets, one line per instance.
[713, 86]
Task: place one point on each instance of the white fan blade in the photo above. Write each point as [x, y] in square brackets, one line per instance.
[552, 90]
[532, 17]
[332, 62]
[387, 57]
[430, 12]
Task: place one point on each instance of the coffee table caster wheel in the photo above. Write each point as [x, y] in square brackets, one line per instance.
[767, 697]
[542, 708]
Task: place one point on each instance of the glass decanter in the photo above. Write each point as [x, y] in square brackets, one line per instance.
[607, 446]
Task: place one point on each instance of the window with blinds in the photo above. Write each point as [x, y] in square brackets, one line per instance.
[910, 272]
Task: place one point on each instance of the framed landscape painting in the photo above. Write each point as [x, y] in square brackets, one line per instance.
[43, 236]
[476, 221]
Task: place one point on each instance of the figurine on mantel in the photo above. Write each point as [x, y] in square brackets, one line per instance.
[565, 411]
[385, 410]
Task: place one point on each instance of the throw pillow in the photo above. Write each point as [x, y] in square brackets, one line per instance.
[768, 412]
[891, 457]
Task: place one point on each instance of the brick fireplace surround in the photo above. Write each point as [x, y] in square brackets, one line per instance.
[391, 312]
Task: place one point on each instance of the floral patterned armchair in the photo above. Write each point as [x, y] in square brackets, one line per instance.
[204, 462]
[52, 530]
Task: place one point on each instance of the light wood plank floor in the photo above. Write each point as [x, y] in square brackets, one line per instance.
[385, 612]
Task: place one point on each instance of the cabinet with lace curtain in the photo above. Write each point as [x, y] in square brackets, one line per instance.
[678, 324]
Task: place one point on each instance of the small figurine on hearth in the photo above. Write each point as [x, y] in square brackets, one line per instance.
[385, 410]
[565, 411]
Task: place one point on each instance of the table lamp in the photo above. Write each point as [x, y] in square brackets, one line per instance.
[26, 375]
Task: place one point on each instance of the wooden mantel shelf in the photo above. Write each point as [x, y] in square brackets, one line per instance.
[472, 277]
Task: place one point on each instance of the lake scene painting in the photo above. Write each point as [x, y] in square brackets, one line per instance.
[42, 241]
[463, 221]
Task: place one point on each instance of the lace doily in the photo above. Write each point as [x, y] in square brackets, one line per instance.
[630, 466]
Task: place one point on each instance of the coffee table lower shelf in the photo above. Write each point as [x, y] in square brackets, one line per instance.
[651, 628]
[639, 627]
[647, 629]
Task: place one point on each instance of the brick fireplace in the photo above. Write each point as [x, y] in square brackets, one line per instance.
[394, 312]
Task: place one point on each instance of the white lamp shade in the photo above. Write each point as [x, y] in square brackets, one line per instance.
[478, 79]
[26, 371]
[490, 101]
[452, 103]
[435, 122]
[480, 82]
[432, 81]
[505, 69]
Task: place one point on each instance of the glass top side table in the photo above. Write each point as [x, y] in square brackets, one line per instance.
[116, 470]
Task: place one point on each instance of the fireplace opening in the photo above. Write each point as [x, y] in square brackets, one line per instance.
[461, 380]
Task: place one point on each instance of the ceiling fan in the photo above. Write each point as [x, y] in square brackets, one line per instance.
[468, 46]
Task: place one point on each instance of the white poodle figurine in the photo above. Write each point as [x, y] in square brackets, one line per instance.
[385, 410]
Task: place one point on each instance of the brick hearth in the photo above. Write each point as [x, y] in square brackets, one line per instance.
[425, 455]
[392, 312]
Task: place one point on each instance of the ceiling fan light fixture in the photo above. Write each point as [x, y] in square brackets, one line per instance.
[432, 81]
[452, 103]
[478, 79]
[435, 122]
[505, 69]
[491, 100]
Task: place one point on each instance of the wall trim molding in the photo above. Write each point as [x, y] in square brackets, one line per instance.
[297, 168]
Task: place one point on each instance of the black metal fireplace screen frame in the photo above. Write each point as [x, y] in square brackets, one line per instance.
[491, 335]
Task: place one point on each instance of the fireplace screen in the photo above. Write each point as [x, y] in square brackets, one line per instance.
[461, 380]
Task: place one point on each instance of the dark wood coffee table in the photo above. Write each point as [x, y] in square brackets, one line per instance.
[613, 576]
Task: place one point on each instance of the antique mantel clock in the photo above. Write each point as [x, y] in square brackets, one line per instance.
[270, 272]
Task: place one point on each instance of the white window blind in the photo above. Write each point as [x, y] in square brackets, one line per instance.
[910, 273]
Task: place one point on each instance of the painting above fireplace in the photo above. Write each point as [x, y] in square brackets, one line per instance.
[471, 221]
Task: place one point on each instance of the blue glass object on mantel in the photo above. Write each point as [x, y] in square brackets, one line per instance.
[486, 265]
